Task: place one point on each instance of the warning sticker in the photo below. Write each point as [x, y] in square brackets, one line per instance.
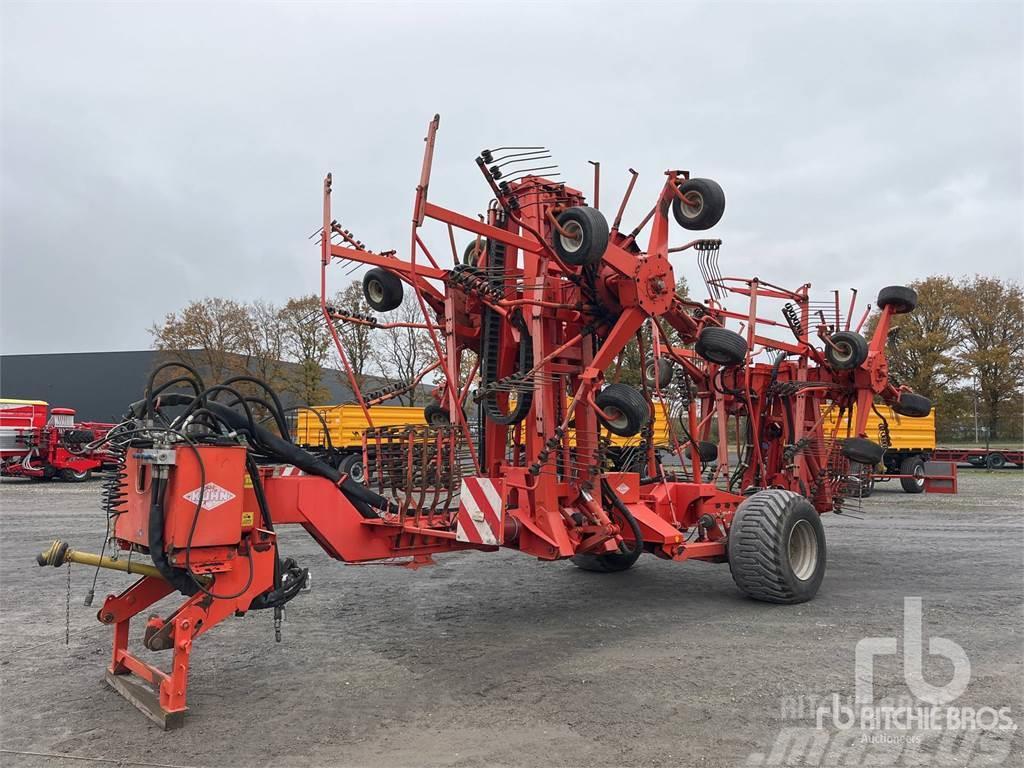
[213, 496]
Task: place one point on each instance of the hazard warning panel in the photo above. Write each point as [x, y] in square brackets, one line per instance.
[480, 519]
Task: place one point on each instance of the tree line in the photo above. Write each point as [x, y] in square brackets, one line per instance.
[290, 346]
[963, 347]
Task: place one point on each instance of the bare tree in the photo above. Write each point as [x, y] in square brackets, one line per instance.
[358, 339]
[403, 352]
[261, 344]
[206, 335]
[307, 343]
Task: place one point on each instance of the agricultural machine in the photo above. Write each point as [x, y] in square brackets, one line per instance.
[44, 445]
[530, 321]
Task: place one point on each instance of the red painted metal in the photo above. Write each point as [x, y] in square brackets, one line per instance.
[45, 446]
[551, 470]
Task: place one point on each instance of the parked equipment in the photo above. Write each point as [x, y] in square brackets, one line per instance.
[991, 458]
[531, 316]
[46, 444]
[909, 444]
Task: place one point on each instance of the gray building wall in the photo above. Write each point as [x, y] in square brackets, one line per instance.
[100, 385]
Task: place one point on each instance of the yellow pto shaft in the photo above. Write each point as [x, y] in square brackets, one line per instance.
[60, 553]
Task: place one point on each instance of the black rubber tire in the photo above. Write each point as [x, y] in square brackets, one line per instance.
[995, 461]
[436, 416]
[352, 465]
[721, 346]
[761, 547]
[628, 404]
[659, 371]
[471, 256]
[856, 487]
[707, 451]
[853, 350]
[610, 562]
[901, 298]
[912, 465]
[70, 476]
[709, 209]
[912, 405]
[862, 450]
[77, 436]
[382, 289]
[591, 230]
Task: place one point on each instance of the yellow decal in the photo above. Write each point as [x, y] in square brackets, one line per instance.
[247, 519]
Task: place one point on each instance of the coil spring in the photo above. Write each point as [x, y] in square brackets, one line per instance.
[390, 389]
[114, 496]
[793, 319]
[472, 281]
[884, 438]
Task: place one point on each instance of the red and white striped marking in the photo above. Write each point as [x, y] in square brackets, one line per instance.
[287, 471]
[481, 512]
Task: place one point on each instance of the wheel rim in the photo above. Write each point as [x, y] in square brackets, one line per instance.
[375, 291]
[574, 241]
[919, 475]
[803, 550]
[357, 472]
[842, 352]
[615, 418]
[692, 204]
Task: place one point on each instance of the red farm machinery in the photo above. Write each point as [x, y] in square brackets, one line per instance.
[47, 444]
[529, 316]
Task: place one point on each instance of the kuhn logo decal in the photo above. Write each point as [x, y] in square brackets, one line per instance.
[213, 496]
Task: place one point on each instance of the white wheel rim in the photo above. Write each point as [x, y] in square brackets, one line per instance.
[692, 204]
[356, 472]
[574, 242]
[616, 418]
[803, 550]
[842, 352]
[919, 476]
[375, 291]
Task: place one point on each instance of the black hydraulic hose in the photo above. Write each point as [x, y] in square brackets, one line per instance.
[200, 400]
[323, 422]
[198, 380]
[362, 498]
[278, 418]
[293, 454]
[178, 578]
[279, 408]
[630, 520]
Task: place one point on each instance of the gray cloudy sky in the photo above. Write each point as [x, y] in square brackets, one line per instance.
[154, 154]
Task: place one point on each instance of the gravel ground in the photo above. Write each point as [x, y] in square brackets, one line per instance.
[498, 660]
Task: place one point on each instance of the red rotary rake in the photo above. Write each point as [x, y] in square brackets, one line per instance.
[529, 324]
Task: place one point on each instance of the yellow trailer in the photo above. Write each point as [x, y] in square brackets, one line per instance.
[345, 425]
[910, 442]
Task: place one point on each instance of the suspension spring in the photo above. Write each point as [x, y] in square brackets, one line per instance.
[114, 496]
[793, 320]
[884, 438]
